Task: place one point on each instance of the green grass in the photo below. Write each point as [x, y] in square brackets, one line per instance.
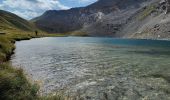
[78, 33]
[53, 97]
[9, 19]
[147, 11]
[14, 85]
[6, 48]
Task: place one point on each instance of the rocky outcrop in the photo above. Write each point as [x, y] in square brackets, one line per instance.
[167, 6]
[151, 22]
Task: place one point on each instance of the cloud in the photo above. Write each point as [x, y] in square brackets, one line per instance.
[26, 14]
[31, 8]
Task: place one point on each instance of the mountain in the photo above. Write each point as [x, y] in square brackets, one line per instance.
[150, 22]
[76, 18]
[11, 21]
[115, 18]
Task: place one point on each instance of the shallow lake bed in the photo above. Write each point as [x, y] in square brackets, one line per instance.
[97, 68]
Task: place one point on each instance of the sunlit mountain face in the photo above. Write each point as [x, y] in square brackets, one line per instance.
[101, 18]
[29, 9]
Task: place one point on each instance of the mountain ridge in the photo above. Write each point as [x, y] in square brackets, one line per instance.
[75, 18]
[13, 21]
[113, 18]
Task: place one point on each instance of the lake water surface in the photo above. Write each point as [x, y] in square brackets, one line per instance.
[97, 68]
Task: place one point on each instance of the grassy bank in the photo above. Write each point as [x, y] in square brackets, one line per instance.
[13, 83]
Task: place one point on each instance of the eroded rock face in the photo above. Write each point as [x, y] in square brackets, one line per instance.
[106, 11]
[167, 6]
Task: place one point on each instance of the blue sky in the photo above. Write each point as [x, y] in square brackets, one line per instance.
[29, 9]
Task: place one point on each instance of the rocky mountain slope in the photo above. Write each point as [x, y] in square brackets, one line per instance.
[115, 18]
[151, 22]
[77, 18]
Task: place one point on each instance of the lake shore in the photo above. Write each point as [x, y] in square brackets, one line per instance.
[14, 83]
[31, 90]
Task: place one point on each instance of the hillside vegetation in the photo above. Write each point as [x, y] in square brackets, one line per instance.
[12, 21]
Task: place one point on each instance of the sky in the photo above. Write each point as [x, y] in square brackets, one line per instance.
[29, 9]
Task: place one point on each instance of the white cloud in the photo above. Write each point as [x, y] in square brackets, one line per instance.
[31, 8]
[26, 14]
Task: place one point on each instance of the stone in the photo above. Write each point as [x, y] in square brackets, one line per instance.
[167, 6]
[2, 33]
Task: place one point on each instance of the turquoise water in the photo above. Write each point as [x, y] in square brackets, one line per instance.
[97, 68]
